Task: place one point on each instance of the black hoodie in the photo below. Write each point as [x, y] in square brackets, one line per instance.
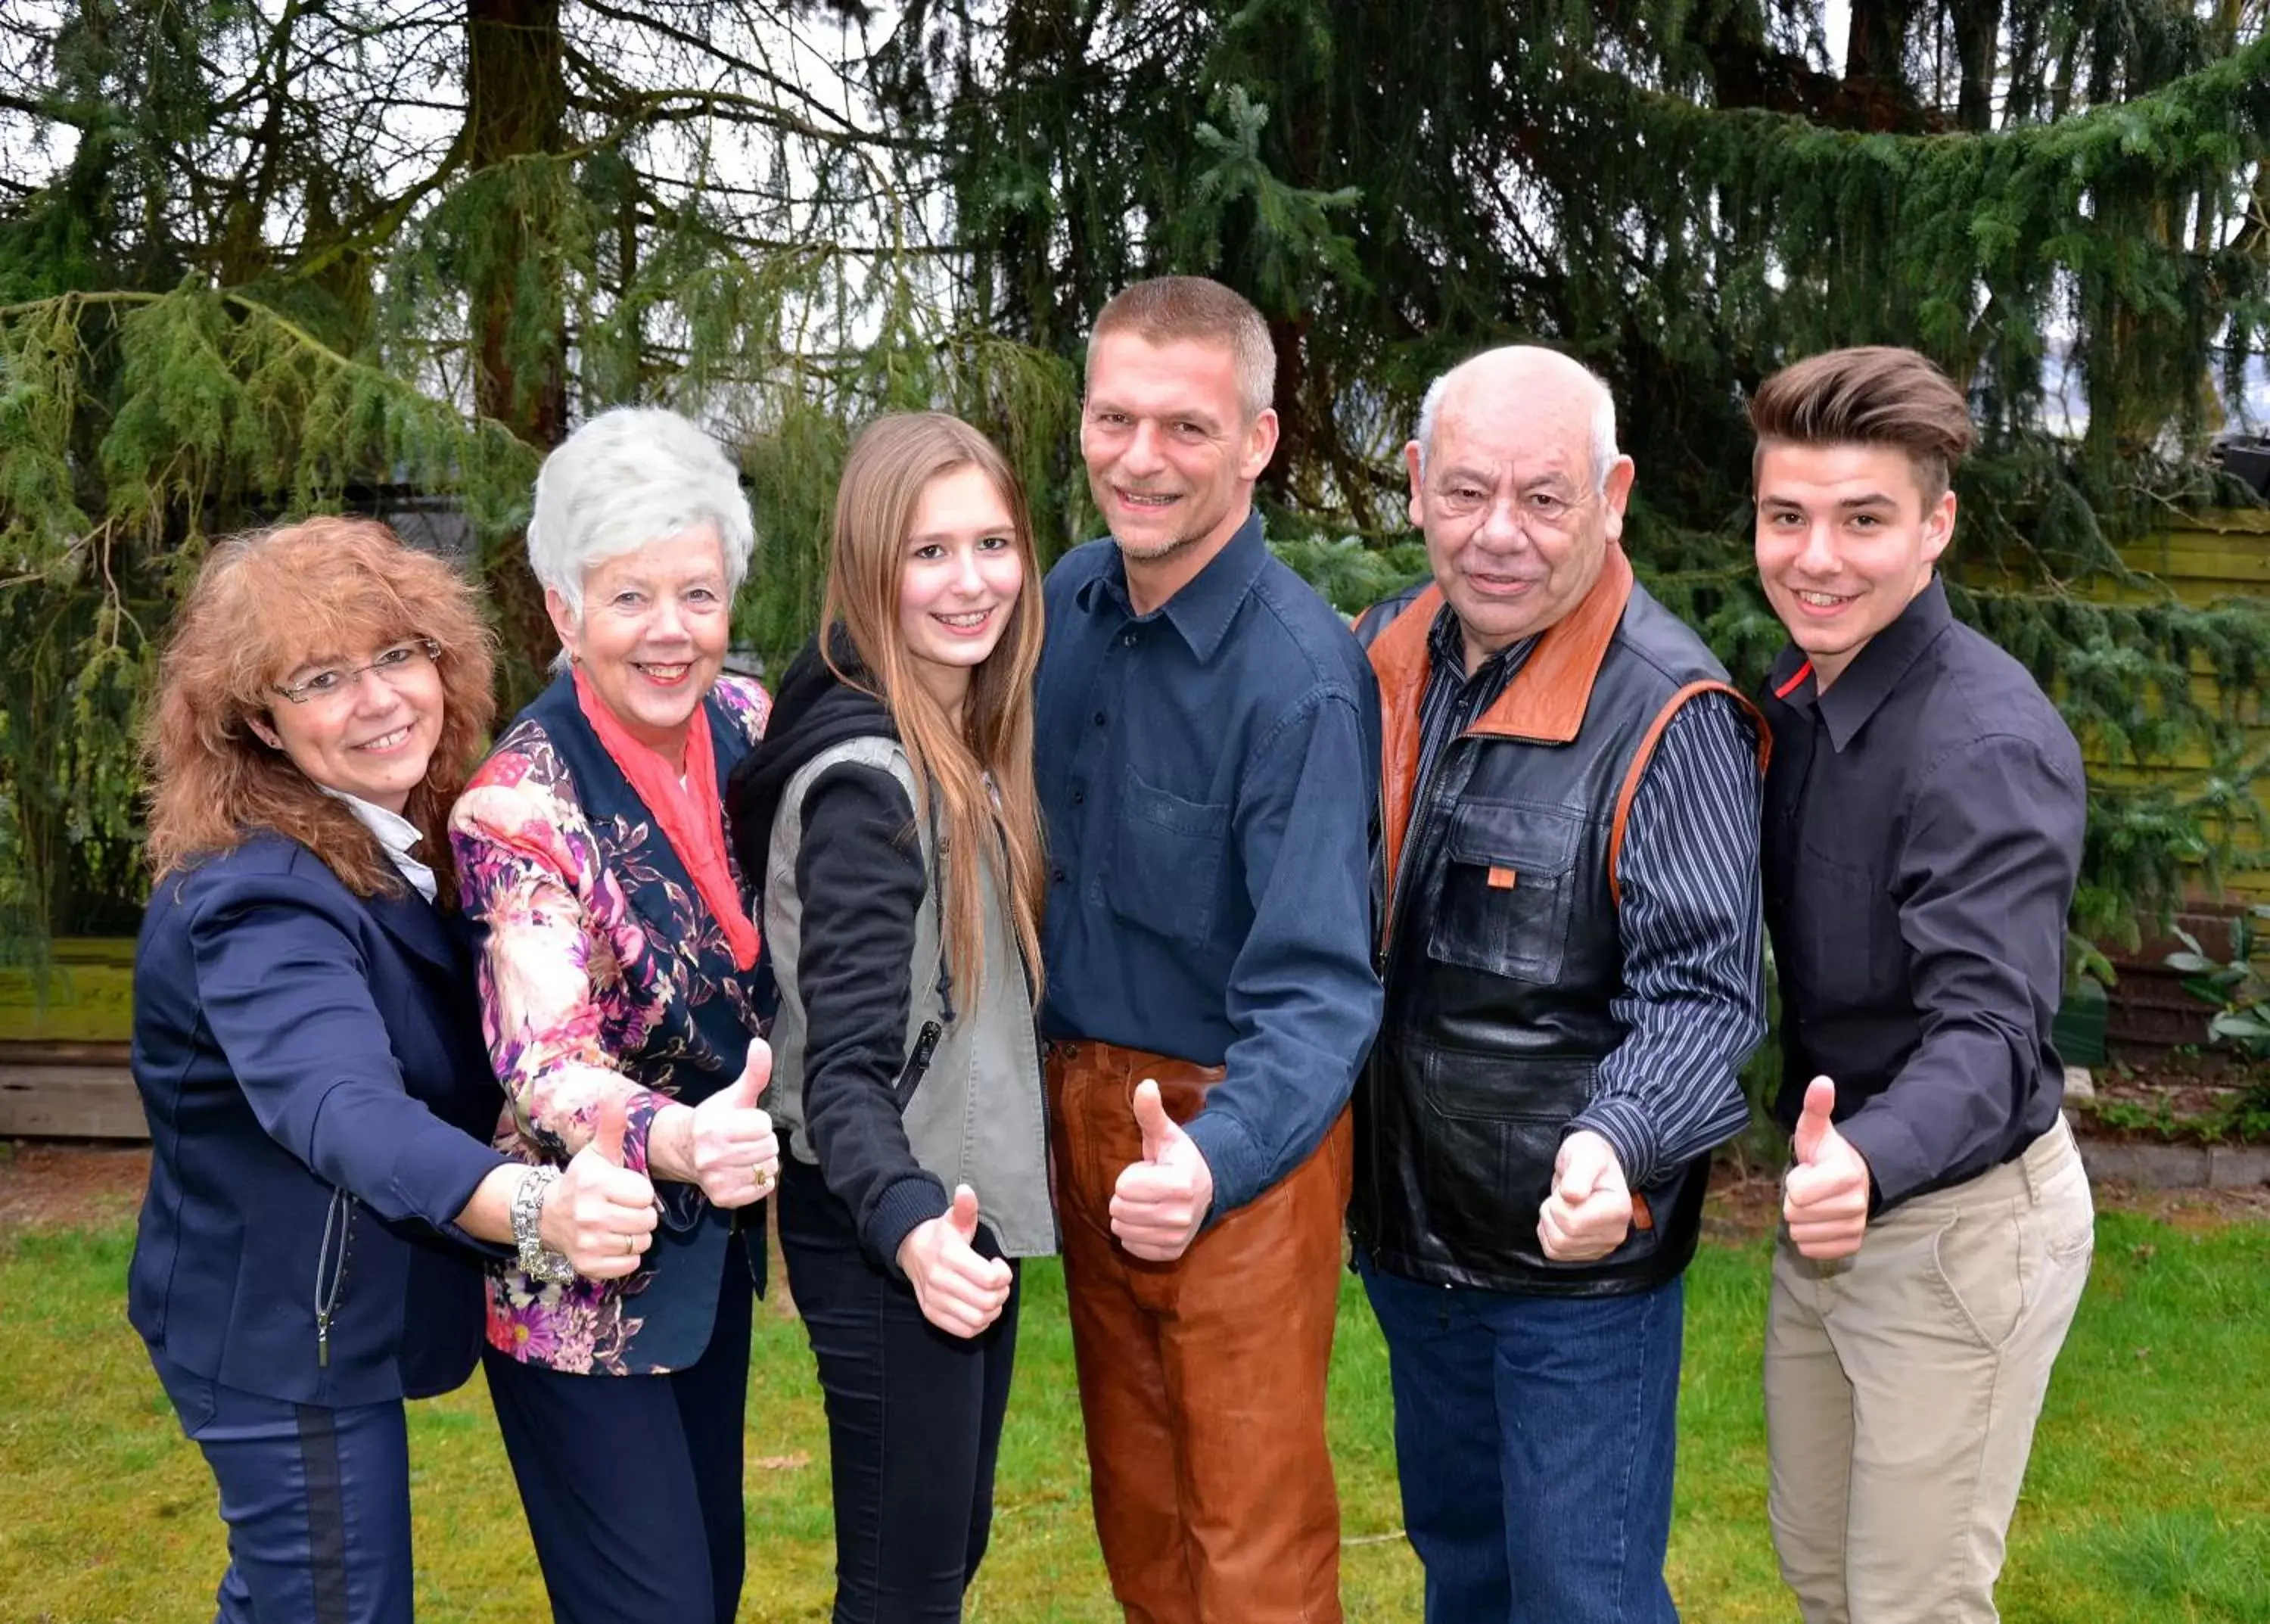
[860, 873]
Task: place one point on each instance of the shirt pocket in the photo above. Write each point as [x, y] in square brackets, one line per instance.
[1848, 928]
[1509, 886]
[1167, 859]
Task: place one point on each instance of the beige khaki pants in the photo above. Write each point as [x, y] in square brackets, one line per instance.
[1901, 1387]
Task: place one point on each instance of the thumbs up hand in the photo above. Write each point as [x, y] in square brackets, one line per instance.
[1825, 1194]
[725, 1144]
[1159, 1201]
[1588, 1212]
[958, 1290]
[600, 1215]
[735, 1153]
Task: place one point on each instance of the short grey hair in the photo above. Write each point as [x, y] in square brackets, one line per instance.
[1167, 310]
[1604, 416]
[628, 477]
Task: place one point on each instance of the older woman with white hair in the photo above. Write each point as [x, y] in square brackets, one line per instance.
[621, 965]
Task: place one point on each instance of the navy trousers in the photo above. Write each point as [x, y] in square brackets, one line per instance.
[633, 1483]
[1533, 1438]
[316, 1501]
[914, 1417]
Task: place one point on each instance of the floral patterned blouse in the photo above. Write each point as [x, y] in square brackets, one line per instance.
[602, 974]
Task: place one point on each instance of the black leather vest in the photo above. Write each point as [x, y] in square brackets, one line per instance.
[1501, 957]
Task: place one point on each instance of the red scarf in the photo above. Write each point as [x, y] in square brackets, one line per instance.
[691, 814]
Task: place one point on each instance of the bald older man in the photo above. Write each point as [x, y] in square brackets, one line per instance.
[1570, 855]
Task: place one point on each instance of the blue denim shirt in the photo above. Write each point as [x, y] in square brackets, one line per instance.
[1209, 772]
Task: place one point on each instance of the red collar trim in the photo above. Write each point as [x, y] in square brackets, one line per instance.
[1795, 682]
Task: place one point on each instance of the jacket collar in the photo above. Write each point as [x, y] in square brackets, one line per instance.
[660, 888]
[1545, 702]
[418, 925]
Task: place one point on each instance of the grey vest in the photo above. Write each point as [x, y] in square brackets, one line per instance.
[969, 1091]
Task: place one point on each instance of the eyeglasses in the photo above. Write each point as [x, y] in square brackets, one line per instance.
[393, 665]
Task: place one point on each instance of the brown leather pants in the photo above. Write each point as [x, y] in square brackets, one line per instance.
[1201, 1381]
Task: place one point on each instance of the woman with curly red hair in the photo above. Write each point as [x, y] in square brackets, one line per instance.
[307, 1046]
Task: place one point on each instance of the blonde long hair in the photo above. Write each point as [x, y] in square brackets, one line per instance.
[891, 463]
[263, 603]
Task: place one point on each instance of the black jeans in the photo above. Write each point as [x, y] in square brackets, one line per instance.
[914, 1416]
[633, 1483]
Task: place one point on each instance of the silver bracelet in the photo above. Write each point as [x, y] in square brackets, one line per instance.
[537, 1261]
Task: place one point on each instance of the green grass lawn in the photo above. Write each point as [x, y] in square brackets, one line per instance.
[2149, 1498]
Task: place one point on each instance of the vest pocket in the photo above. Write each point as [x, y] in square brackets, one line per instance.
[1167, 861]
[1507, 891]
[1486, 1147]
[1486, 1144]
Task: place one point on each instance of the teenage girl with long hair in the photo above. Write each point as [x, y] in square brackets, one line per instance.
[891, 812]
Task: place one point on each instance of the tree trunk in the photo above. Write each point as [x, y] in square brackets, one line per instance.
[1298, 449]
[515, 99]
[1978, 26]
[1874, 41]
[1875, 68]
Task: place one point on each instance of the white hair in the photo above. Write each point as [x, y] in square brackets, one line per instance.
[1604, 415]
[628, 477]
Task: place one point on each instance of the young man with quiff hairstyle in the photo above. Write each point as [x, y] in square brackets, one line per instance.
[1924, 817]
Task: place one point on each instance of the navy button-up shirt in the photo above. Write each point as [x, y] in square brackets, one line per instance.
[1923, 835]
[1209, 772]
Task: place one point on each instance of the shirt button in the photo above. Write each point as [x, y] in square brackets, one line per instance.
[1056, 874]
[1099, 718]
[1079, 796]
[1130, 639]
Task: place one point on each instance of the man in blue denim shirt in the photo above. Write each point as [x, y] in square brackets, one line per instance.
[1208, 745]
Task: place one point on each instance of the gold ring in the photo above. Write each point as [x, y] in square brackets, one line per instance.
[630, 1245]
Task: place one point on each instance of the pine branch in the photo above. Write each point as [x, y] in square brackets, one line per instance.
[648, 107]
[648, 21]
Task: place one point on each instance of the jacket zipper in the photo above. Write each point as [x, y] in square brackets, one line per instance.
[331, 1269]
[1433, 832]
[911, 1075]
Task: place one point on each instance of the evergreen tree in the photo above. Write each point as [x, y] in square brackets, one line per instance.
[2052, 198]
[261, 259]
[258, 257]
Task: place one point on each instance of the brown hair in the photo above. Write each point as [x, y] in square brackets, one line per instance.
[891, 463]
[1196, 310]
[1872, 394]
[263, 604]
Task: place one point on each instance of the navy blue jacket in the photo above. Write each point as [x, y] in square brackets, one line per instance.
[309, 1059]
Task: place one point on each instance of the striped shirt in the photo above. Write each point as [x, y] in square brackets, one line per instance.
[1691, 918]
